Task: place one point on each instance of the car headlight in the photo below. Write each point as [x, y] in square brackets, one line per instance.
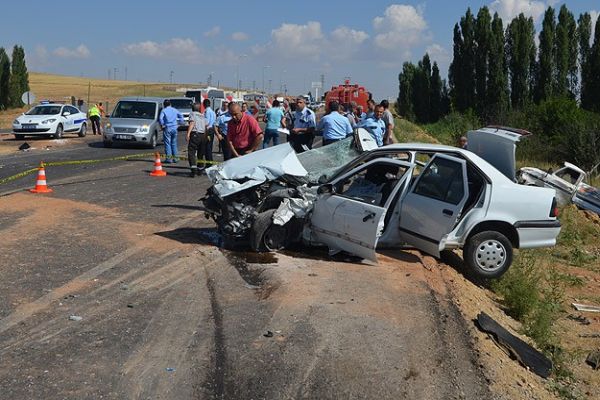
[143, 129]
[16, 122]
[49, 121]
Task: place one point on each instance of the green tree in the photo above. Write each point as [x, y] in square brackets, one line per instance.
[4, 79]
[483, 34]
[462, 69]
[436, 102]
[521, 59]
[584, 33]
[546, 69]
[19, 77]
[405, 96]
[593, 87]
[421, 89]
[497, 93]
[566, 54]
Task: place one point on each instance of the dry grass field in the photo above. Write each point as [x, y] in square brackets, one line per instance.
[61, 88]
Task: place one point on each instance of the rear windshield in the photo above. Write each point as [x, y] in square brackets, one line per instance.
[134, 109]
[182, 104]
[44, 110]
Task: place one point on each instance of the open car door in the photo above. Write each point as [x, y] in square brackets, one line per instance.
[350, 217]
[433, 204]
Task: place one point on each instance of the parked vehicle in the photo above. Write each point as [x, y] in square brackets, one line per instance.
[568, 182]
[184, 106]
[429, 196]
[259, 99]
[51, 120]
[134, 120]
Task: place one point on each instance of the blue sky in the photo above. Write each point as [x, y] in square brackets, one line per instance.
[292, 43]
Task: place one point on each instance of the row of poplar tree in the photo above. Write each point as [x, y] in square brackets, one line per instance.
[14, 78]
[495, 69]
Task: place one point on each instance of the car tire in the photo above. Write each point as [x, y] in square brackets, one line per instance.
[59, 132]
[83, 130]
[488, 254]
[19, 137]
[265, 235]
[153, 141]
[107, 144]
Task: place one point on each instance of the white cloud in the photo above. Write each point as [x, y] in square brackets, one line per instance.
[400, 29]
[297, 41]
[438, 53]
[239, 36]
[214, 31]
[594, 14]
[508, 9]
[80, 51]
[180, 49]
[344, 42]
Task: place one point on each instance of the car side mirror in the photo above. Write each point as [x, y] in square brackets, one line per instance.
[326, 189]
[66, 114]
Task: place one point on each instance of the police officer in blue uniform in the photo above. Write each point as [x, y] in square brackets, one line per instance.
[304, 124]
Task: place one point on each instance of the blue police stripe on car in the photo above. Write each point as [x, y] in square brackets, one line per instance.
[78, 121]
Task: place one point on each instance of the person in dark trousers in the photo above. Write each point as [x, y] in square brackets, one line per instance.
[304, 124]
[196, 139]
[211, 118]
[94, 116]
[221, 132]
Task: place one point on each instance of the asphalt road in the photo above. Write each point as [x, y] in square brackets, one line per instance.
[114, 287]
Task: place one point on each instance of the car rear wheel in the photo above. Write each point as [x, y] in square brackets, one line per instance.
[488, 254]
[265, 235]
[83, 130]
[59, 132]
[19, 137]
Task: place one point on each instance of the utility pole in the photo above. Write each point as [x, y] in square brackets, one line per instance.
[109, 74]
[263, 76]
[171, 76]
[115, 73]
[125, 73]
[89, 90]
[270, 81]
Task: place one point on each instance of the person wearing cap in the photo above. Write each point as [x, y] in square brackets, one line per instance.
[221, 132]
[243, 132]
[196, 138]
[334, 126]
[375, 125]
[169, 120]
[304, 124]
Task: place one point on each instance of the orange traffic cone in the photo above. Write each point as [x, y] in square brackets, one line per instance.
[40, 184]
[158, 171]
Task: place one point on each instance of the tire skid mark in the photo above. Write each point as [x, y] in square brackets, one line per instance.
[216, 376]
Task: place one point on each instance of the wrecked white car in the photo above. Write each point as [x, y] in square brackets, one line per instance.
[433, 197]
[568, 182]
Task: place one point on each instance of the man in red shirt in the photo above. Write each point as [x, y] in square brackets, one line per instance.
[243, 132]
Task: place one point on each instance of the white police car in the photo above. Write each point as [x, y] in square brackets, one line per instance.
[52, 120]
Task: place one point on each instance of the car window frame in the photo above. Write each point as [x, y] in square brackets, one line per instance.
[463, 170]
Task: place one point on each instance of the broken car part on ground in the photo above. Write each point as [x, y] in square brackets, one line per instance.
[356, 198]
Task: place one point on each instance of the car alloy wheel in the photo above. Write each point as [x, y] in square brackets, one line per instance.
[59, 132]
[83, 130]
[275, 237]
[490, 255]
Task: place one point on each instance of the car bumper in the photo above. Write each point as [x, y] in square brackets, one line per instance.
[127, 137]
[33, 131]
[534, 234]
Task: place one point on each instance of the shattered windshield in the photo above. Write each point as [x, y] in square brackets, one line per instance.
[327, 160]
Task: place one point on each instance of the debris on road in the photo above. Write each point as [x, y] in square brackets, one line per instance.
[170, 369]
[268, 334]
[589, 335]
[75, 318]
[516, 348]
[593, 359]
[585, 307]
[579, 318]
[25, 147]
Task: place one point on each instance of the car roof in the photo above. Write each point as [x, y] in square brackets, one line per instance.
[487, 168]
[142, 98]
[573, 166]
[180, 98]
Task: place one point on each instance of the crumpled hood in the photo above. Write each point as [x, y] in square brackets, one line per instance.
[255, 168]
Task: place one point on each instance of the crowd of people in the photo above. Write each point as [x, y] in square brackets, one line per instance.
[237, 130]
